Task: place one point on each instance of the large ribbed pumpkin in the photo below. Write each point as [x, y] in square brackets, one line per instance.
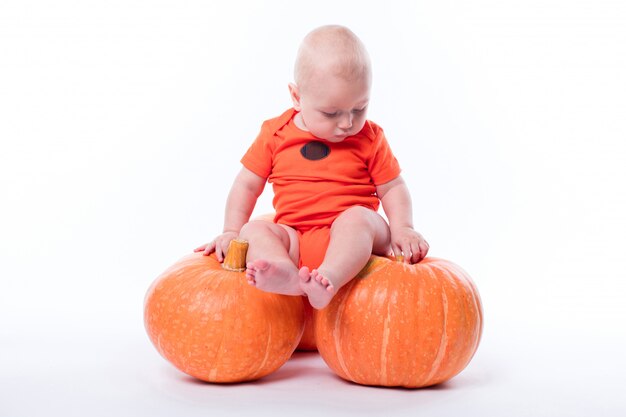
[211, 324]
[405, 325]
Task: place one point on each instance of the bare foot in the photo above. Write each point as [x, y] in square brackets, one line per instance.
[280, 277]
[317, 287]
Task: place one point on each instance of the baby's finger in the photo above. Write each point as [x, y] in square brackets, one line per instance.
[418, 255]
[397, 251]
[219, 252]
[415, 253]
[200, 248]
[210, 247]
[224, 248]
[424, 247]
[407, 253]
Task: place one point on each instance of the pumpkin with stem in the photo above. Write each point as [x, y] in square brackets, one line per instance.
[204, 318]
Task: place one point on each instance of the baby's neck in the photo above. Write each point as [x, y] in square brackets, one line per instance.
[299, 121]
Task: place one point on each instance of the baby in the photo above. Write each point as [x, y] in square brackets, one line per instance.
[330, 168]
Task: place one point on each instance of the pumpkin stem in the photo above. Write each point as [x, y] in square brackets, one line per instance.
[235, 259]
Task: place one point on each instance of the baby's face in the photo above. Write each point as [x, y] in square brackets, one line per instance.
[333, 108]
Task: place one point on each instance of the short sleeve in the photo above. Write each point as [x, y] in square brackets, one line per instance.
[258, 158]
[382, 164]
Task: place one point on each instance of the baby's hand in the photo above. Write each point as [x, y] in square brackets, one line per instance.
[219, 245]
[406, 241]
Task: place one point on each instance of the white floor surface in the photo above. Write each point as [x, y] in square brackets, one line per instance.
[86, 373]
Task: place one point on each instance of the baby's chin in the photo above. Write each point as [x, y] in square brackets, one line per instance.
[334, 138]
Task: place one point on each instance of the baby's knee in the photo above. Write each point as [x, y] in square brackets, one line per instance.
[255, 227]
[357, 217]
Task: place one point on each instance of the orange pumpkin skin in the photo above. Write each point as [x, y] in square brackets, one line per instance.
[307, 343]
[401, 325]
[211, 324]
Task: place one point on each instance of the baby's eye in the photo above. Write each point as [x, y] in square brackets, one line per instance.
[329, 115]
[358, 111]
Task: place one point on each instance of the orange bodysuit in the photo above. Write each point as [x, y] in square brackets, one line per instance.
[314, 181]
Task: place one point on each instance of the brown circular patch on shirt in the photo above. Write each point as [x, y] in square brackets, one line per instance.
[315, 150]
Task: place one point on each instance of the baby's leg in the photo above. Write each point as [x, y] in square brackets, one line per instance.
[272, 253]
[354, 236]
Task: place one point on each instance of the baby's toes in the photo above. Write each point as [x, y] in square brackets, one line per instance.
[250, 275]
[304, 274]
[316, 275]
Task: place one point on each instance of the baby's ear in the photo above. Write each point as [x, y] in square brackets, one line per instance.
[294, 92]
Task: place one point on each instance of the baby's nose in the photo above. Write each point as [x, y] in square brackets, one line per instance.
[345, 122]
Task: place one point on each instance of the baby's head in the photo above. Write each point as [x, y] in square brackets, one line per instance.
[332, 83]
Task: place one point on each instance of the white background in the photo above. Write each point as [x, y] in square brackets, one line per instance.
[122, 124]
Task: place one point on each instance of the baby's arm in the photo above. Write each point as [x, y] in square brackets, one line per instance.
[397, 204]
[242, 198]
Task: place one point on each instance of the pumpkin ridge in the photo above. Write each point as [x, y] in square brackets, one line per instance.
[443, 343]
[233, 293]
[477, 303]
[213, 372]
[385, 339]
[462, 288]
[420, 295]
[469, 289]
[412, 299]
[267, 352]
[338, 336]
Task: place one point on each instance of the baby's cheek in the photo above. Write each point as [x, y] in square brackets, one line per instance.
[359, 122]
[324, 130]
